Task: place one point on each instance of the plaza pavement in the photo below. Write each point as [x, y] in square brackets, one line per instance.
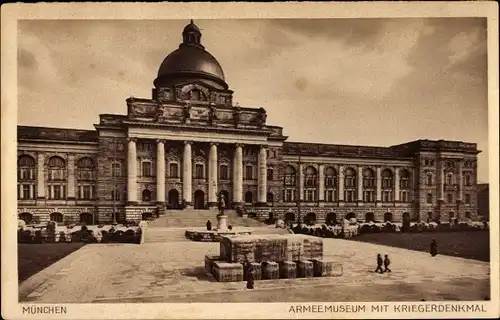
[174, 272]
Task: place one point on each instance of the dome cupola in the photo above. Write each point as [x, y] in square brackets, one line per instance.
[190, 62]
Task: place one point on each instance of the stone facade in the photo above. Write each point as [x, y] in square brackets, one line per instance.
[189, 144]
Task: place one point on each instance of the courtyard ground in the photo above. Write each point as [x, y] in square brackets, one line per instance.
[174, 272]
[466, 244]
[33, 258]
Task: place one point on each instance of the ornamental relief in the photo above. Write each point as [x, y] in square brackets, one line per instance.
[173, 186]
[200, 186]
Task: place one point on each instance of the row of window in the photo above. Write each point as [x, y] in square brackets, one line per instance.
[449, 179]
[449, 198]
[311, 195]
[26, 191]
[85, 169]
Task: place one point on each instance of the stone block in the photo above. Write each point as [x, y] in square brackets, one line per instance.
[228, 272]
[327, 268]
[257, 269]
[305, 269]
[270, 270]
[209, 262]
[288, 270]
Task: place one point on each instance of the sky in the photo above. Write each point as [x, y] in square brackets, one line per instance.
[374, 81]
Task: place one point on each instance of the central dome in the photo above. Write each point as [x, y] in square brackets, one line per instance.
[190, 62]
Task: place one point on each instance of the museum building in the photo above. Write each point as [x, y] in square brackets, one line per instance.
[190, 143]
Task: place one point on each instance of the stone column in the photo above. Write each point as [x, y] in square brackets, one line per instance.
[321, 183]
[341, 183]
[360, 183]
[40, 179]
[262, 177]
[396, 185]
[212, 176]
[187, 177]
[301, 181]
[379, 185]
[238, 175]
[71, 177]
[132, 171]
[460, 182]
[160, 171]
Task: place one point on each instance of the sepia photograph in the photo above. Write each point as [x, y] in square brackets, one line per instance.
[324, 163]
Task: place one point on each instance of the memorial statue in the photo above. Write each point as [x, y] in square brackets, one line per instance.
[236, 115]
[212, 114]
[187, 112]
[262, 116]
[222, 205]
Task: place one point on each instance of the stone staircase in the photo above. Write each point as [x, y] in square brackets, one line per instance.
[198, 218]
[172, 226]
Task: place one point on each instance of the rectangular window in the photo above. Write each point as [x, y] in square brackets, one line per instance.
[270, 172]
[146, 169]
[330, 196]
[368, 196]
[199, 172]
[405, 196]
[57, 174]
[249, 172]
[330, 182]
[349, 195]
[26, 191]
[387, 196]
[116, 168]
[86, 192]
[174, 170]
[350, 182]
[310, 195]
[224, 172]
[289, 195]
[290, 180]
[57, 192]
[405, 183]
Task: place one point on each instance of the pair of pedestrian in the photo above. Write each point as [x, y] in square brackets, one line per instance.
[383, 262]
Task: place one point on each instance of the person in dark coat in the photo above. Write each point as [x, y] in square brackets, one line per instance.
[379, 263]
[250, 278]
[387, 262]
[434, 248]
[209, 225]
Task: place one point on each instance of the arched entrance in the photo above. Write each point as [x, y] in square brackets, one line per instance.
[26, 217]
[248, 197]
[173, 199]
[350, 215]
[369, 217]
[289, 216]
[56, 217]
[199, 199]
[387, 217]
[86, 218]
[226, 198]
[331, 218]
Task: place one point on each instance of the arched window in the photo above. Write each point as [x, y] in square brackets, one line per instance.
[369, 217]
[368, 178]
[449, 198]
[289, 177]
[86, 169]
[57, 168]
[350, 178]
[86, 218]
[368, 185]
[387, 179]
[429, 198]
[146, 195]
[405, 185]
[428, 180]
[310, 177]
[350, 185]
[57, 217]
[270, 174]
[330, 178]
[26, 168]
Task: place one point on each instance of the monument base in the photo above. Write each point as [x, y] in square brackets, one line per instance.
[222, 223]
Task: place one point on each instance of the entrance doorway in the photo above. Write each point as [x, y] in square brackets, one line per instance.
[226, 197]
[173, 199]
[199, 199]
[248, 197]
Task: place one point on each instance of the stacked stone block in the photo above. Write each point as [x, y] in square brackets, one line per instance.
[270, 257]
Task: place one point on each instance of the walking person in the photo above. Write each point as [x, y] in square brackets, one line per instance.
[434, 248]
[387, 262]
[209, 225]
[379, 264]
[250, 277]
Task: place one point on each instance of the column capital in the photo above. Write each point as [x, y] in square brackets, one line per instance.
[264, 146]
[188, 142]
[160, 141]
[214, 144]
[239, 145]
[131, 139]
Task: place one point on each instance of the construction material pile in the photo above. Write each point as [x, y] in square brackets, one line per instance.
[270, 257]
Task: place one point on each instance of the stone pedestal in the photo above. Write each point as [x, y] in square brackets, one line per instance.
[221, 222]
